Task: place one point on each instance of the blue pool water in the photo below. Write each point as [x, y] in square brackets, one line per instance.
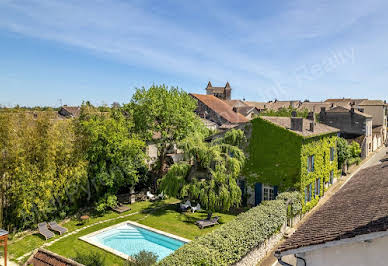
[130, 239]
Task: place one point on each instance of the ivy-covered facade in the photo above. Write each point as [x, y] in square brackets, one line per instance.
[281, 158]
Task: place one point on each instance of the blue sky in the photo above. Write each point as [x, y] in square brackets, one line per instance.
[69, 51]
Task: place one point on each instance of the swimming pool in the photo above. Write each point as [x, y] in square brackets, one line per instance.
[129, 238]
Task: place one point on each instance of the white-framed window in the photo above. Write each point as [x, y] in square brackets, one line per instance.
[268, 192]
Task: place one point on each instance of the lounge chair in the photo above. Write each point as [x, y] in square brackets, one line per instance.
[120, 208]
[161, 196]
[186, 205]
[196, 208]
[44, 231]
[208, 222]
[150, 196]
[55, 227]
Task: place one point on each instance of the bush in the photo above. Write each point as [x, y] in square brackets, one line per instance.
[108, 201]
[352, 161]
[143, 258]
[90, 259]
[229, 243]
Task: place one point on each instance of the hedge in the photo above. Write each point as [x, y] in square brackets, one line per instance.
[232, 241]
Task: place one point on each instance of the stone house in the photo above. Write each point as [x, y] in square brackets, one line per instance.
[351, 228]
[242, 108]
[352, 124]
[288, 153]
[378, 110]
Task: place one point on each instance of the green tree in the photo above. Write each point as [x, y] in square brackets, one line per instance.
[355, 149]
[115, 154]
[343, 150]
[210, 174]
[164, 116]
[143, 258]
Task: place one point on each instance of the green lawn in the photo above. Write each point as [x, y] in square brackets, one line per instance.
[161, 215]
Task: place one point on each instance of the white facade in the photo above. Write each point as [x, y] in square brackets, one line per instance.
[362, 253]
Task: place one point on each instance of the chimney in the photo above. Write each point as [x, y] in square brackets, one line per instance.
[323, 109]
[293, 114]
[311, 116]
[312, 125]
[352, 110]
[297, 123]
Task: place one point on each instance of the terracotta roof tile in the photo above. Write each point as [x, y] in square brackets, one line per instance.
[44, 257]
[372, 102]
[359, 207]
[221, 108]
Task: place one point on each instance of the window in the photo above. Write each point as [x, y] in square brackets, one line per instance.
[317, 186]
[310, 163]
[331, 154]
[268, 193]
[331, 177]
[307, 193]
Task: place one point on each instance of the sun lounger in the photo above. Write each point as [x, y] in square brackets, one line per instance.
[207, 222]
[44, 231]
[196, 208]
[120, 208]
[161, 196]
[55, 227]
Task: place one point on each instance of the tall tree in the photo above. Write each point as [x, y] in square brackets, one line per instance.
[165, 116]
[114, 152]
[209, 175]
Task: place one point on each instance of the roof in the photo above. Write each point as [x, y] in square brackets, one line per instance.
[235, 103]
[340, 109]
[221, 108]
[276, 105]
[314, 106]
[372, 102]
[44, 257]
[74, 110]
[360, 207]
[218, 89]
[245, 110]
[258, 105]
[285, 122]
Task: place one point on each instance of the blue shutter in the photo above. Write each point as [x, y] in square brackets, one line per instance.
[308, 164]
[258, 193]
[313, 163]
[305, 195]
[319, 186]
[310, 188]
[275, 191]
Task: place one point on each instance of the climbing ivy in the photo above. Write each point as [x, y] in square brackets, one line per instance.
[279, 157]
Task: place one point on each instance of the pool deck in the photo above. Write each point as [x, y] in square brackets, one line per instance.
[87, 238]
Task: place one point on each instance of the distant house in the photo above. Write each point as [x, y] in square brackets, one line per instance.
[378, 110]
[351, 228]
[211, 108]
[242, 108]
[345, 102]
[261, 106]
[352, 124]
[289, 154]
[69, 111]
[223, 93]
[315, 106]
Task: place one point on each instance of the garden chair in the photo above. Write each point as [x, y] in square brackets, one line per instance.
[150, 196]
[196, 208]
[186, 205]
[55, 227]
[44, 231]
[161, 196]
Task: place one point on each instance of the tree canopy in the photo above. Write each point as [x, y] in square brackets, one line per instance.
[164, 116]
[209, 176]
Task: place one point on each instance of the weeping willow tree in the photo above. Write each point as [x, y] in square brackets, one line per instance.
[209, 174]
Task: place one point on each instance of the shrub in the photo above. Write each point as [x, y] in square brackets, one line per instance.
[143, 258]
[229, 243]
[90, 259]
[352, 161]
[109, 201]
